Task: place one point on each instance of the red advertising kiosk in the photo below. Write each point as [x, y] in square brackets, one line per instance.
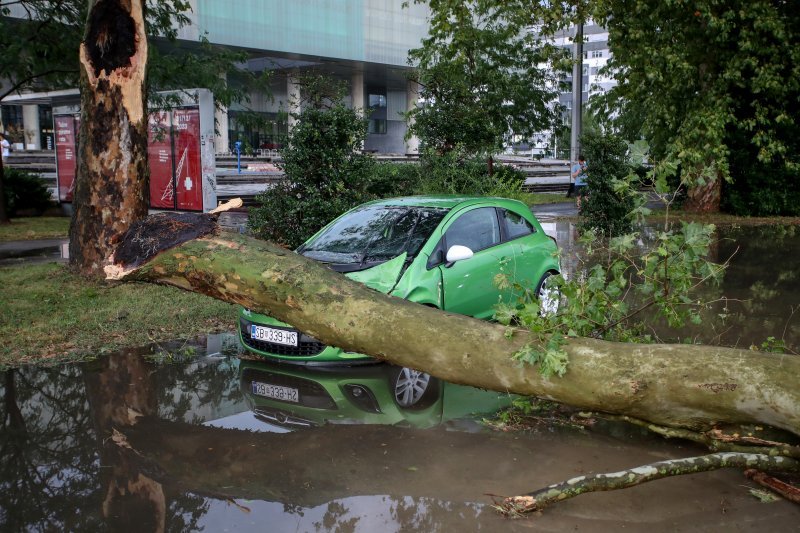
[180, 153]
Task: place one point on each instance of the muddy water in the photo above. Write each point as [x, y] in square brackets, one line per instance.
[758, 297]
[184, 441]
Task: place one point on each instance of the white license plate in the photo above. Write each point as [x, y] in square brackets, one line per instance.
[275, 336]
[276, 392]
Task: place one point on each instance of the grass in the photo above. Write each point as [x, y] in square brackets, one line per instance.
[51, 315]
[32, 228]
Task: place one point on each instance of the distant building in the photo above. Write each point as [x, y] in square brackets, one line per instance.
[596, 54]
[364, 43]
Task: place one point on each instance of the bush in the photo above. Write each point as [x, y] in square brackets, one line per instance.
[394, 179]
[450, 174]
[326, 172]
[608, 207]
[24, 191]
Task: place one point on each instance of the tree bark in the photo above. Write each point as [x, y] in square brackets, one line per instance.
[111, 183]
[704, 198]
[694, 387]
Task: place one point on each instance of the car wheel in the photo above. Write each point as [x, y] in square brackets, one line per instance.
[549, 296]
[412, 389]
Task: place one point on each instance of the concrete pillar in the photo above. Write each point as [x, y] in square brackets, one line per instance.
[222, 142]
[357, 91]
[293, 100]
[30, 123]
[412, 97]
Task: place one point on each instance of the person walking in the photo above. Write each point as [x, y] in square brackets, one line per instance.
[5, 145]
[578, 175]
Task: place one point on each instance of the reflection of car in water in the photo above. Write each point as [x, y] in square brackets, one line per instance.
[295, 396]
[440, 251]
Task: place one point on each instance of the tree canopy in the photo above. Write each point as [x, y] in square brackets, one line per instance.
[714, 88]
[482, 76]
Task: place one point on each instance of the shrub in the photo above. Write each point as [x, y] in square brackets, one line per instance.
[326, 172]
[450, 174]
[24, 191]
[394, 179]
[608, 207]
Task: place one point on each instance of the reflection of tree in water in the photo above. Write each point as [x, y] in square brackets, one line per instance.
[763, 282]
[48, 458]
[189, 392]
[403, 513]
[59, 470]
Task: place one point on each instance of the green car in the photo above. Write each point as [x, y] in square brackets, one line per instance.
[441, 251]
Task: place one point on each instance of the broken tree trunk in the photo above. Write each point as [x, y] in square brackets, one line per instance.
[695, 387]
[111, 185]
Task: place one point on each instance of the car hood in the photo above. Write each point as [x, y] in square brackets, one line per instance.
[382, 277]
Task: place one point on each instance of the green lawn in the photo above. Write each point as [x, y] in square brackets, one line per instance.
[30, 228]
[51, 315]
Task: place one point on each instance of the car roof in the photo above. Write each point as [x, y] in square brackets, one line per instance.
[443, 201]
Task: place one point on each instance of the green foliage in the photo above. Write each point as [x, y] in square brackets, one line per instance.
[24, 191]
[448, 173]
[395, 179]
[480, 76]
[617, 291]
[714, 87]
[326, 172]
[609, 206]
[759, 189]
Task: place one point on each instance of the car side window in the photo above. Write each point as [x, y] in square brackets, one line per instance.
[477, 229]
[515, 225]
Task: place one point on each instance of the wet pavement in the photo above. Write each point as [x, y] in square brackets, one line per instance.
[169, 442]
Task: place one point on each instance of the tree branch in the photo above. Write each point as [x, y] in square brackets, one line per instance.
[539, 499]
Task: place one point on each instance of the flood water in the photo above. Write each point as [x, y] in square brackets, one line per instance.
[191, 440]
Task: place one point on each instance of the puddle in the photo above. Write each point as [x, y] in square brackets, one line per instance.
[759, 296]
[133, 443]
[47, 250]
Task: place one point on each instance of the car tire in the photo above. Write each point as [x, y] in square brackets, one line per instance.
[411, 389]
[549, 296]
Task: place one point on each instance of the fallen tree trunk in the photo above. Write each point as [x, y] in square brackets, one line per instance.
[695, 387]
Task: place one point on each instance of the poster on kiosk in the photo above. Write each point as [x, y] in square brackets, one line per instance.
[180, 154]
[66, 127]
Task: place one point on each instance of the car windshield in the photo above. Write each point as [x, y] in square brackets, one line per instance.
[374, 234]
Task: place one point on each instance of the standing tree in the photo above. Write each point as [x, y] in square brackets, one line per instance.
[481, 77]
[111, 183]
[713, 88]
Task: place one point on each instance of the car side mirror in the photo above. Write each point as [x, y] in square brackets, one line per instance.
[457, 253]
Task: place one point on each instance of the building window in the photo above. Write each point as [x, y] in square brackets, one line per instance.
[377, 100]
[597, 53]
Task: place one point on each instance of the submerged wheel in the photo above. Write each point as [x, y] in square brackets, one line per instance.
[549, 296]
[412, 389]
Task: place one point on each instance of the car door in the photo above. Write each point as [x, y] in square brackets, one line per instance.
[533, 250]
[468, 285]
